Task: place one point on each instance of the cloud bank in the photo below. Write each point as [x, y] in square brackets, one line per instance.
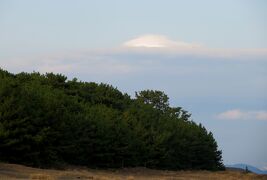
[145, 53]
[160, 44]
[237, 114]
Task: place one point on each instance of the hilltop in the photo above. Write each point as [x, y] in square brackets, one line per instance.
[249, 168]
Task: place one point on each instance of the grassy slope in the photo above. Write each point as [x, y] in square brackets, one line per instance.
[13, 171]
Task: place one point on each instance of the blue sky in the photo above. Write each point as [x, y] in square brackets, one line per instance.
[210, 57]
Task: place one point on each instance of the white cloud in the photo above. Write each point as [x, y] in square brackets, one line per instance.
[237, 114]
[157, 41]
[156, 44]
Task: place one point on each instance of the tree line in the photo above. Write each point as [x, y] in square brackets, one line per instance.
[48, 121]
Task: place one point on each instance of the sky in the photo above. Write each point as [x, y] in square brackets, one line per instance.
[209, 56]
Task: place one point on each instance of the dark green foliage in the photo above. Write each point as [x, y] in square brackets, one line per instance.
[46, 120]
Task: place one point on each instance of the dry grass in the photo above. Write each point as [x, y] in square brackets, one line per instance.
[41, 177]
[18, 172]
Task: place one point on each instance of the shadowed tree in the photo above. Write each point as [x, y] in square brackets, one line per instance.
[46, 120]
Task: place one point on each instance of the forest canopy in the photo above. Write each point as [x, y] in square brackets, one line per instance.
[47, 120]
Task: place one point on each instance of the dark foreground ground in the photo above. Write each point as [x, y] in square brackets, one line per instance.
[19, 172]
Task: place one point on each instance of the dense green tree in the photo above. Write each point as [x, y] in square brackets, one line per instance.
[47, 120]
